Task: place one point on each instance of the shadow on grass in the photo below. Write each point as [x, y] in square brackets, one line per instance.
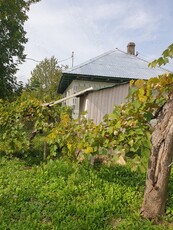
[121, 175]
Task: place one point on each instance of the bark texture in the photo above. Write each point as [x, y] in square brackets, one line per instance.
[159, 165]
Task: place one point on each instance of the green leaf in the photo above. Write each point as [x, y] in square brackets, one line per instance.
[148, 116]
[165, 53]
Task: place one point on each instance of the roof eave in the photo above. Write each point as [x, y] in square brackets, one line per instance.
[67, 78]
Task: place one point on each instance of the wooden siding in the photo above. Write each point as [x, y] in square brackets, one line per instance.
[78, 85]
[99, 103]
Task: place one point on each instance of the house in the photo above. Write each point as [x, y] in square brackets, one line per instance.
[100, 102]
[109, 75]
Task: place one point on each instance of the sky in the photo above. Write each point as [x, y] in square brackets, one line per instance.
[91, 27]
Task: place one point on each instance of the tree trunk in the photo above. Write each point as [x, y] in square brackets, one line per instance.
[159, 165]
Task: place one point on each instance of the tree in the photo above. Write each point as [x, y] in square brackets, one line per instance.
[159, 164]
[160, 160]
[13, 15]
[45, 78]
[164, 59]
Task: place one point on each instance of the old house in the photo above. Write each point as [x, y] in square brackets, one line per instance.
[99, 102]
[109, 75]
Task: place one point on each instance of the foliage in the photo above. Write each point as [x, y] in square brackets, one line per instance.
[44, 80]
[164, 59]
[13, 15]
[129, 125]
[26, 125]
[22, 120]
[73, 137]
[127, 130]
[65, 195]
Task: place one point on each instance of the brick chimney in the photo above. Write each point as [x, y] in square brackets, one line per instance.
[131, 48]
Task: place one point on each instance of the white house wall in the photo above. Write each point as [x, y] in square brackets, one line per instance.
[99, 103]
[78, 85]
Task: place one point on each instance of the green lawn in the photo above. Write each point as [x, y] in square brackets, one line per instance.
[63, 195]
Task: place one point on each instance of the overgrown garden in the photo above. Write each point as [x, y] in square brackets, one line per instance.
[60, 173]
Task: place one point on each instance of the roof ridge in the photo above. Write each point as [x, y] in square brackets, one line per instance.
[90, 60]
[143, 60]
[105, 54]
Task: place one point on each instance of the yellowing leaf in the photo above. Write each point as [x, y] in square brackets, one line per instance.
[132, 82]
[141, 95]
[65, 120]
[88, 150]
[69, 147]
[139, 83]
[80, 145]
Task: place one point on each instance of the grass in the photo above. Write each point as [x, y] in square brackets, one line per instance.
[63, 195]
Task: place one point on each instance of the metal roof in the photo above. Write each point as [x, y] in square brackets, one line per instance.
[113, 66]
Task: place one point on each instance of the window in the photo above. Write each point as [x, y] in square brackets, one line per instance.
[74, 101]
[75, 88]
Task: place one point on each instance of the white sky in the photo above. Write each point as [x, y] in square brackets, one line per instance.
[92, 27]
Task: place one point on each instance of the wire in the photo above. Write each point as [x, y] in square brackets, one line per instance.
[65, 59]
[151, 59]
[32, 59]
[147, 58]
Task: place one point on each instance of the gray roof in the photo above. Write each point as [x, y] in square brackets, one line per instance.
[113, 66]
